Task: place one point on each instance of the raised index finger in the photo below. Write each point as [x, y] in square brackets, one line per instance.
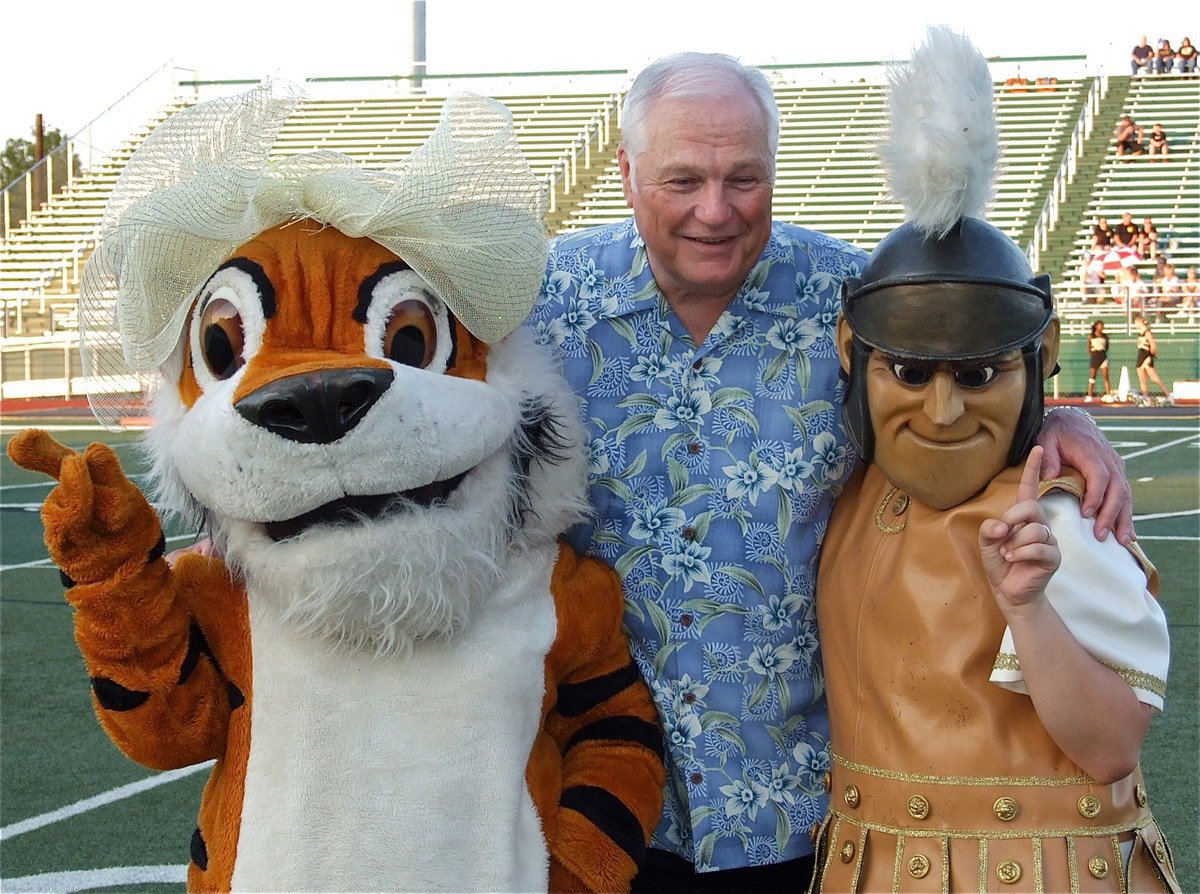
[1030, 476]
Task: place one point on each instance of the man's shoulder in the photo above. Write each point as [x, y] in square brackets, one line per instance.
[611, 234]
[815, 240]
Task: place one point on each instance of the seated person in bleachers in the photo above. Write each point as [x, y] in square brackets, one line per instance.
[1169, 287]
[1102, 234]
[1125, 234]
[1142, 58]
[1158, 143]
[1164, 60]
[1189, 291]
[1185, 57]
[1129, 289]
[1129, 137]
[1147, 244]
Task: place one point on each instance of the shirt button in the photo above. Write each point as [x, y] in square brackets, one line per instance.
[689, 533]
[686, 621]
[697, 778]
[689, 697]
[693, 448]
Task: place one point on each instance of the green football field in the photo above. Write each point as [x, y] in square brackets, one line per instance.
[77, 815]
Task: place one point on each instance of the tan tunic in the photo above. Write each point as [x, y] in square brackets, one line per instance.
[940, 779]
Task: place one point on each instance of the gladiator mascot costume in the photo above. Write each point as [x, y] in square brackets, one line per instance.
[943, 775]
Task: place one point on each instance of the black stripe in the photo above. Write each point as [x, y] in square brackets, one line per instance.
[576, 698]
[66, 579]
[625, 728]
[366, 289]
[197, 646]
[266, 288]
[609, 814]
[159, 548]
[116, 697]
[199, 849]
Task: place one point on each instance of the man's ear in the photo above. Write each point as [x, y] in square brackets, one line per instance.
[844, 338]
[626, 174]
[1050, 344]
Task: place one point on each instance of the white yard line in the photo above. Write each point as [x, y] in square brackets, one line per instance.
[93, 879]
[117, 794]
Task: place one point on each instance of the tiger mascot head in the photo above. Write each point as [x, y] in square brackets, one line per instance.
[342, 395]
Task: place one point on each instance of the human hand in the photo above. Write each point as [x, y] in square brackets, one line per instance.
[1071, 437]
[202, 548]
[1019, 551]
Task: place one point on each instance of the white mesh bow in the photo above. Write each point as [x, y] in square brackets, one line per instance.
[464, 210]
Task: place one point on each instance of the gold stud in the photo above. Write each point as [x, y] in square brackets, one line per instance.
[1089, 806]
[852, 797]
[1009, 872]
[1139, 793]
[847, 851]
[918, 807]
[1005, 809]
[918, 866]
[1098, 867]
[827, 782]
[1160, 851]
[900, 505]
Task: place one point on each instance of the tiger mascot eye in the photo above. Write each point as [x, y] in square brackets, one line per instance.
[406, 679]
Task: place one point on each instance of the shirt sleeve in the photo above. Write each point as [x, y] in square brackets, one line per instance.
[1100, 592]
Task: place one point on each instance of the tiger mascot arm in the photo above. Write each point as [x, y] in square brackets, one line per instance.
[603, 722]
[162, 702]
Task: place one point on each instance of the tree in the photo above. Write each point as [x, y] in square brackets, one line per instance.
[17, 157]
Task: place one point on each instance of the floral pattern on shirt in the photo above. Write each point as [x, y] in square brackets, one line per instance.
[713, 469]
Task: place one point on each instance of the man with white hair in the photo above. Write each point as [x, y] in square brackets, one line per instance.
[699, 336]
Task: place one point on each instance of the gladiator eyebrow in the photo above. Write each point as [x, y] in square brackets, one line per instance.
[367, 289]
[254, 270]
[974, 362]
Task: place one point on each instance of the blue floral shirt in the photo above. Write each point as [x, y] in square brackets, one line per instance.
[713, 469]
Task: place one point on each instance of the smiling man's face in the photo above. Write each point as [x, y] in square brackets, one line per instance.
[701, 191]
[943, 430]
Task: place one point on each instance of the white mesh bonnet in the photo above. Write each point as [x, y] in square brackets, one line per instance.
[464, 210]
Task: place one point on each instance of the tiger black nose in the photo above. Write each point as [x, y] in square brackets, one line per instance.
[315, 407]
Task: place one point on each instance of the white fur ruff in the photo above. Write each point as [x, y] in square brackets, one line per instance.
[414, 574]
[942, 152]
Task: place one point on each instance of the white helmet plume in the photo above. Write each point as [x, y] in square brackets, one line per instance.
[942, 153]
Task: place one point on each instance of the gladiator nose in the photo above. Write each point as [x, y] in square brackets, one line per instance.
[315, 407]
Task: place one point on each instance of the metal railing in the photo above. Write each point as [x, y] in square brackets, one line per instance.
[1065, 176]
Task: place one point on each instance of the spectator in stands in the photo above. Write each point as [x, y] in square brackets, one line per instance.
[1170, 289]
[1147, 241]
[1102, 234]
[1129, 289]
[1185, 57]
[1098, 360]
[1093, 285]
[1125, 234]
[1189, 291]
[700, 296]
[1164, 60]
[1142, 58]
[1129, 137]
[1157, 144]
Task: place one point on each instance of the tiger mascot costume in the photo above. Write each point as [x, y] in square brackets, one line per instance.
[406, 680]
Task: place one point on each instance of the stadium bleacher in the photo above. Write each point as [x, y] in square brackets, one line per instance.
[828, 178]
